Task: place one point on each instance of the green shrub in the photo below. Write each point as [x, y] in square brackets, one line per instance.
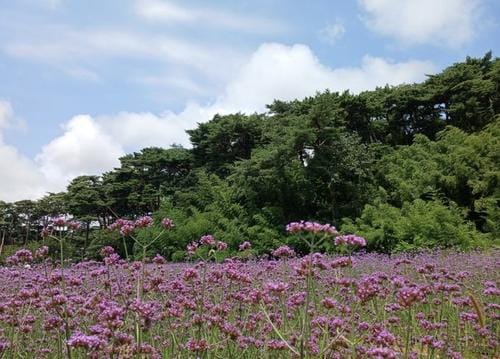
[417, 225]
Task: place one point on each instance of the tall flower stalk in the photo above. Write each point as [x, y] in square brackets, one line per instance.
[60, 230]
[127, 228]
[313, 234]
[205, 249]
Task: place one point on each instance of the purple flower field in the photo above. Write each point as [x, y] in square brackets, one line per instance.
[436, 305]
[428, 305]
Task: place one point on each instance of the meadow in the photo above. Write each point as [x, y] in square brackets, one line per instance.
[440, 304]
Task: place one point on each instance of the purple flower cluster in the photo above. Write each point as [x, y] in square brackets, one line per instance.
[74, 225]
[244, 246]
[143, 222]
[167, 223]
[124, 226]
[79, 340]
[283, 252]
[351, 240]
[60, 224]
[22, 256]
[127, 227]
[312, 227]
[206, 241]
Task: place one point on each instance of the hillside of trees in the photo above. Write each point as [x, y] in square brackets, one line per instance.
[407, 167]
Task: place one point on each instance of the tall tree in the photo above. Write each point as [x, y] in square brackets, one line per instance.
[218, 144]
[144, 177]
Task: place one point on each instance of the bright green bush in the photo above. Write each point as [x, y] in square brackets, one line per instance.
[417, 225]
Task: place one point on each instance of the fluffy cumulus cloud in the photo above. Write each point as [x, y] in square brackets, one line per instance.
[84, 148]
[19, 176]
[145, 129]
[449, 22]
[91, 145]
[277, 71]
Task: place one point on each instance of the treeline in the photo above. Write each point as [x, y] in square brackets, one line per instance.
[407, 167]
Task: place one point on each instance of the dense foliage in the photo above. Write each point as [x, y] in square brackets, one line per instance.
[408, 167]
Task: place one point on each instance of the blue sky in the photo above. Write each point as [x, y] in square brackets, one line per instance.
[83, 82]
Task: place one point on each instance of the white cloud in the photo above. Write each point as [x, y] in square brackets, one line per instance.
[19, 177]
[411, 22]
[133, 130]
[67, 45]
[92, 145]
[332, 32]
[282, 72]
[170, 12]
[72, 50]
[84, 148]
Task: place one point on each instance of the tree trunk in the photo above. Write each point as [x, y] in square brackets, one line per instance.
[85, 243]
[26, 238]
[3, 241]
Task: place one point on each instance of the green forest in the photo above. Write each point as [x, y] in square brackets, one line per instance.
[407, 167]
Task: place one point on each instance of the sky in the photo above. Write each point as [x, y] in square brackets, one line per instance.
[83, 82]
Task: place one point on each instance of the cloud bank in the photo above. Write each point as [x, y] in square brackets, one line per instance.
[415, 22]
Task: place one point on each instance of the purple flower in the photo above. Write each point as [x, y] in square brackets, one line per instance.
[107, 251]
[79, 340]
[127, 229]
[45, 232]
[113, 258]
[59, 222]
[158, 259]
[22, 256]
[283, 252]
[74, 225]
[341, 262]
[329, 303]
[192, 247]
[142, 222]
[167, 223]
[221, 246]
[312, 227]
[195, 345]
[207, 240]
[350, 239]
[276, 287]
[382, 353]
[4, 345]
[492, 291]
[120, 223]
[41, 252]
[275, 344]
[384, 337]
[244, 246]
[407, 296]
